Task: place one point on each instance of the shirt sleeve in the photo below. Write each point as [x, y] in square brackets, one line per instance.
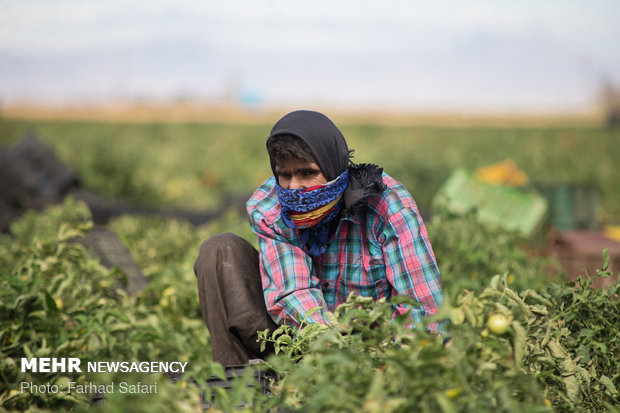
[291, 289]
[411, 267]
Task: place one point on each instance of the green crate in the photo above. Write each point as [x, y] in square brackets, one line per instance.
[571, 206]
[512, 209]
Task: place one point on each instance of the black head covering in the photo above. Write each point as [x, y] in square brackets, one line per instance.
[331, 154]
[325, 140]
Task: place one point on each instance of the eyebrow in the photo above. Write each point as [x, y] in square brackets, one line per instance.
[305, 170]
[299, 170]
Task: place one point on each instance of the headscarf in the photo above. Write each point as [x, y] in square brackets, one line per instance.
[332, 155]
[324, 139]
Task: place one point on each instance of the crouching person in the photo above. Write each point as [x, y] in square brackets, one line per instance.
[326, 228]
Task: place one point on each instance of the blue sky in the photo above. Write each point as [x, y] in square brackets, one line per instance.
[451, 55]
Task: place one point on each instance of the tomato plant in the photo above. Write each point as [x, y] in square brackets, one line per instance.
[364, 361]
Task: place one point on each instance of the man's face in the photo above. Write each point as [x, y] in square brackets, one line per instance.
[295, 174]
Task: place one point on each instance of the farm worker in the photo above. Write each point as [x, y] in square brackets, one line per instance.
[326, 228]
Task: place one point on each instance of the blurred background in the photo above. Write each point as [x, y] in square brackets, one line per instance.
[509, 109]
[481, 55]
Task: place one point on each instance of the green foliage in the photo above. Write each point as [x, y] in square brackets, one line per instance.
[190, 165]
[365, 361]
[580, 330]
[422, 158]
[199, 165]
[54, 301]
[58, 301]
[568, 348]
[559, 352]
[469, 254]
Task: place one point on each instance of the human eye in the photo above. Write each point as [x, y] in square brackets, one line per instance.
[309, 172]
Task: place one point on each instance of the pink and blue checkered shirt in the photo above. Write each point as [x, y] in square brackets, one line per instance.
[379, 250]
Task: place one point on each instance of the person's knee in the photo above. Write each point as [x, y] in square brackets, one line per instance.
[225, 243]
[218, 242]
[214, 248]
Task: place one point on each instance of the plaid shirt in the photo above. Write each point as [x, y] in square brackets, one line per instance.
[380, 250]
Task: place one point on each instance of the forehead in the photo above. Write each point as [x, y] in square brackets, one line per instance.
[295, 164]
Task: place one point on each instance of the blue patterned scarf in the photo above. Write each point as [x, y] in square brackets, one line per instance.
[298, 206]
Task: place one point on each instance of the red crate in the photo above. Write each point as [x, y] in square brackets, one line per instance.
[581, 253]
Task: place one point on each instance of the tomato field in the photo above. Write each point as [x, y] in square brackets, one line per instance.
[520, 336]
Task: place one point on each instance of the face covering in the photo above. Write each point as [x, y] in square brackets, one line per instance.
[305, 207]
[311, 209]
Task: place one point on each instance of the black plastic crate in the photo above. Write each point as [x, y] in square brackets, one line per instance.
[264, 379]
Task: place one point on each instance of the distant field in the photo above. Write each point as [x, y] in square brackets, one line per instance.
[201, 112]
[197, 164]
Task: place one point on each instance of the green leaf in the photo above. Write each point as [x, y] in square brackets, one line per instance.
[606, 381]
[284, 339]
[311, 311]
[218, 371]
[445, 404]
[605, 259]
[519, 343]
[610, 408]
[117, 314]
[38, 314]
[515, 297]
[457, 315]
[404, 300]
[557, 350]
[27, 352]
[495, 281]
[572, 387]
[51, 303]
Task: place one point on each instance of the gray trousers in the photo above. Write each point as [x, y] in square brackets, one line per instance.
[231, 298]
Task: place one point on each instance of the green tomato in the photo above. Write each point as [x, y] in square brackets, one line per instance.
[498, 324]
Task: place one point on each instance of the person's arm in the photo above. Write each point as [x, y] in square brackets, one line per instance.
[290, 286]
[411, 267]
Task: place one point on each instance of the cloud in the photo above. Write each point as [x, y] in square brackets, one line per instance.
[396, 50]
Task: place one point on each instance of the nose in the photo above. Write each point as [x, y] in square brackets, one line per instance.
[295, 183]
